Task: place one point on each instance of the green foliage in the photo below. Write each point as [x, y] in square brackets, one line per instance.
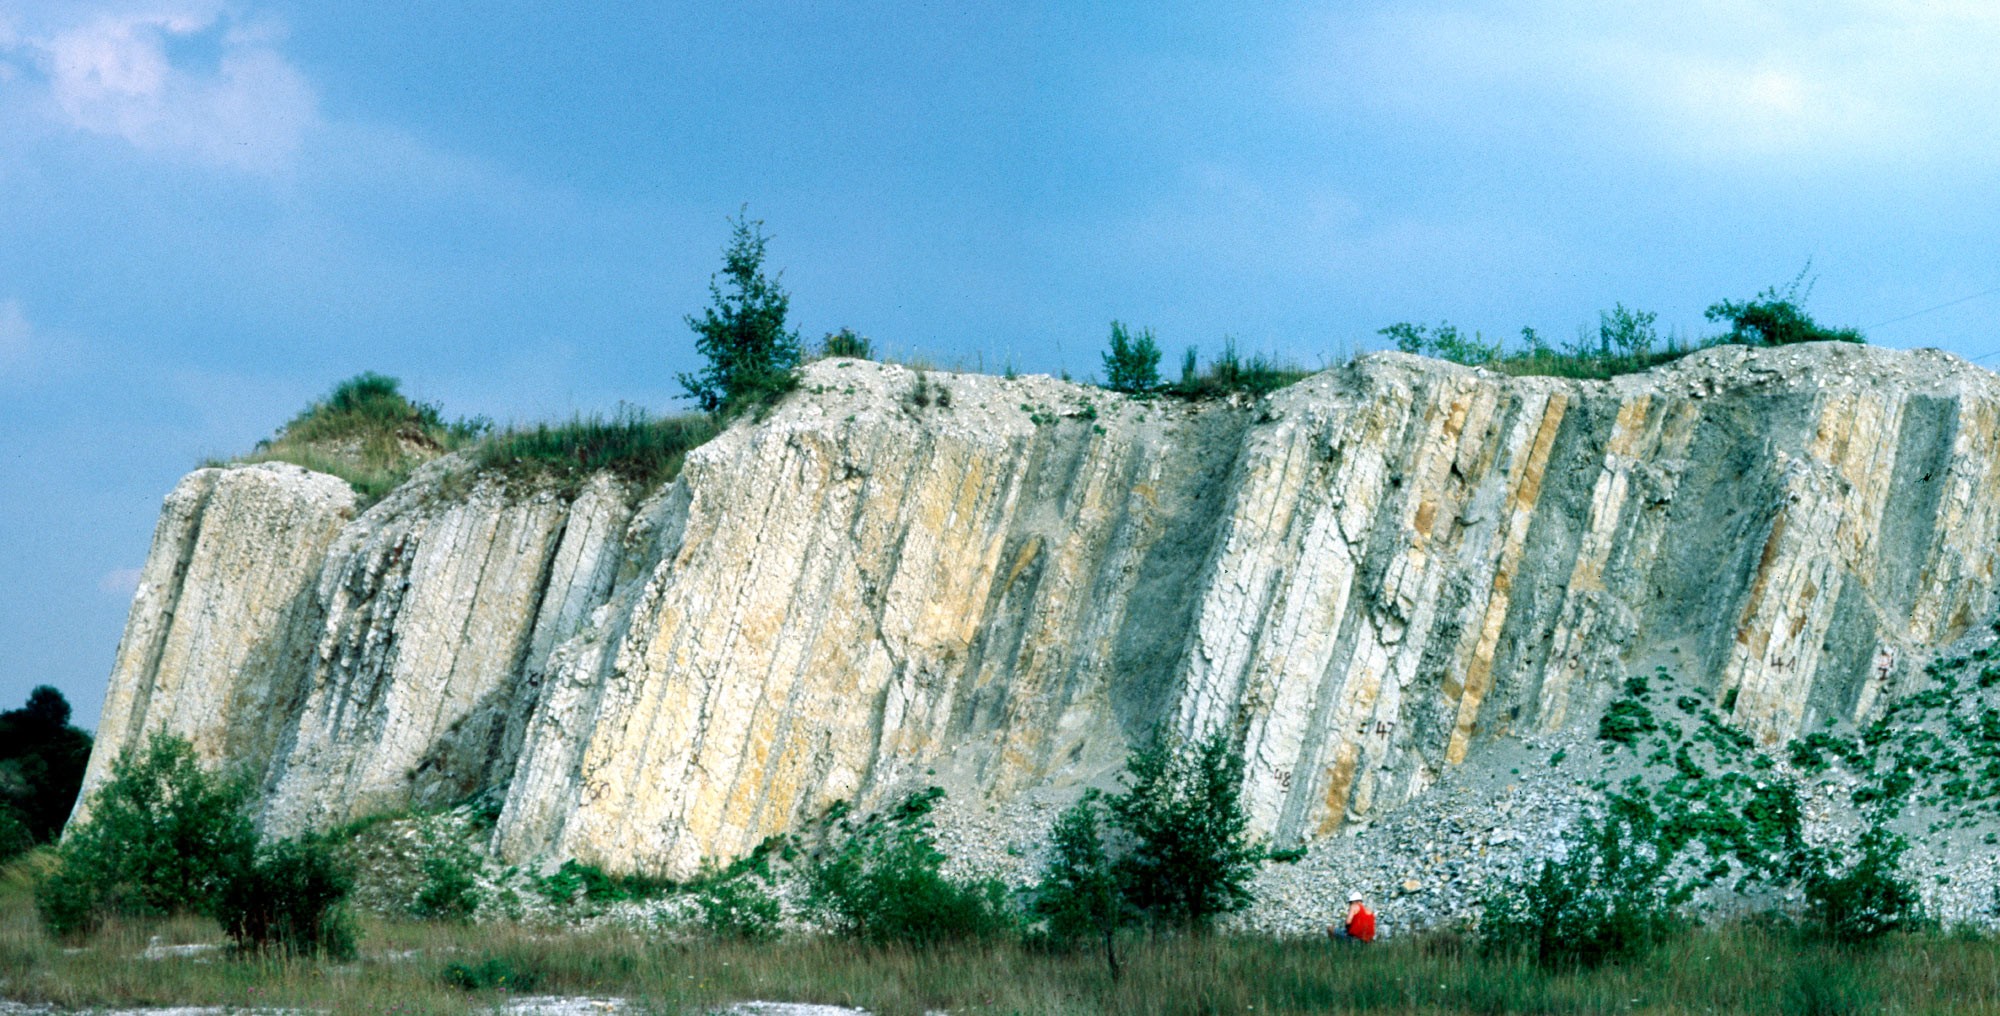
[925, 392]
[1936, 748]
[366, 432]
[1610, 899]
[163, 837]
[882, 882]
[1624, 342]
[42, 758]
[739, 908]
[846, 343]
[1132, 364]
[576, 881]
[1231, 374]
[645, 450]
[15, 838]
[751, 356]
[1871, 898]
[1445, 342]
[1624, 723]
[292, 898]
[449, 888]
[1190, 857]
[1077, 896]
[1626, 333]
[1706, 789]
[1774, 317]
[493, 974]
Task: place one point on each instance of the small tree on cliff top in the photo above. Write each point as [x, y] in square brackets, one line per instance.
[1133, 363]
[742, 333]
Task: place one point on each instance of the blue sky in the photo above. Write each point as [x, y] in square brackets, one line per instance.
[210, 212]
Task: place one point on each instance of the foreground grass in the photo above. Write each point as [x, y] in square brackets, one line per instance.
[1740, 969]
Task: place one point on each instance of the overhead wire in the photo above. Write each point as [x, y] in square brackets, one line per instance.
[1927, 310]
[1947, 303]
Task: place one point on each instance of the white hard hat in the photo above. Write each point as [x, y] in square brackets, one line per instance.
[1353, 897]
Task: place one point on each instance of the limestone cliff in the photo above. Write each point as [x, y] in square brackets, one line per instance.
[998, 584]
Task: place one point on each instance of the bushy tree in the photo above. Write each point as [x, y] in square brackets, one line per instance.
[292, 898]
[1775, 317]
[740, 908]
[846, 342]
[1626, 333]
[1871, 898]
[1132, 364]
[1189, 856]
[883, 882]
[1444, 342]
[163, 837]
[742, 333]
[1078, 894]
[1612, 898]
[42, 759]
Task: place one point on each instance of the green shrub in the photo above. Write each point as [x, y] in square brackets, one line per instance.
[751, 356]
[1625, 722]
[493, 974]
[449, 868]
[882, 882]
[163, 837]
[1610, 899]
[1623, 343]
[925, 392]
[1445, 342]
[738, 908]
[1868, 900]
[1189, 857]
[1626, 333]
[846, 343]
[589, 883]
[291, 898]
[1077, 897]
[1774, 317]
[1132, 364]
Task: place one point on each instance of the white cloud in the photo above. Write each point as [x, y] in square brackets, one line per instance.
[184, 80]
[1710, 79]
[121, 582]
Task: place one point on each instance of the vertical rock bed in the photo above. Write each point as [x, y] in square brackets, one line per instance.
[1380, 576]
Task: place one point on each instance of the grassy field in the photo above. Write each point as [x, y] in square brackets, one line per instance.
[403, 969]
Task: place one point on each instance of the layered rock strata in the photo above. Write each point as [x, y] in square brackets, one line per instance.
[1000, 584]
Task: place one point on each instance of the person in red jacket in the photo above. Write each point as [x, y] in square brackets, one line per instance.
[1360, 926]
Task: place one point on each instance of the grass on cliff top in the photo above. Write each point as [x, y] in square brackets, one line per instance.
[1231, 374]
[366, 432]
[639, 448]
[418, 967]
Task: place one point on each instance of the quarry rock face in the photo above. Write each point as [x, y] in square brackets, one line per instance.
[999, 585]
